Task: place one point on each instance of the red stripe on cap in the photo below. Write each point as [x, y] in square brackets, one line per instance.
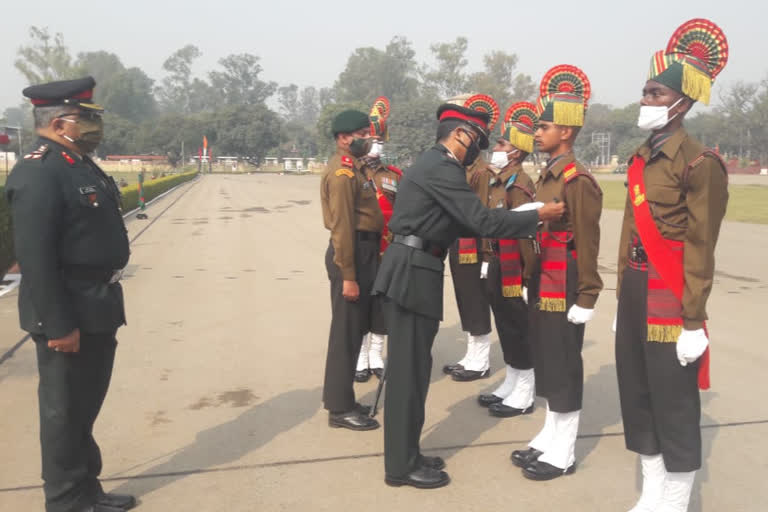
[452, 114]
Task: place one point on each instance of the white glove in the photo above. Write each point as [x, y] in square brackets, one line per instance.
[525, 294]
[613, 327]
[578, 315]
[690, 346]
[484, 270]
[528, 207]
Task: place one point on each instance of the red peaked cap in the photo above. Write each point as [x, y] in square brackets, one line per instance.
[475, 118]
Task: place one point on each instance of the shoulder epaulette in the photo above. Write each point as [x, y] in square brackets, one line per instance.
[345, 172]
[38, 153]
[395, 170]
[696, 161]
[571, 172]
[347, 162]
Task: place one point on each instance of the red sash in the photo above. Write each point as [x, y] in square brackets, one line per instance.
[664, 255]
[554, 266]
[467, 250]
[511, 268]
[386, 211]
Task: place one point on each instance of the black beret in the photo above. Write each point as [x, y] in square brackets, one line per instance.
[349, 121]
[475, 118]
[78, 93]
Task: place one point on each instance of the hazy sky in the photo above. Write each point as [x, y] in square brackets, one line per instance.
[308, 43]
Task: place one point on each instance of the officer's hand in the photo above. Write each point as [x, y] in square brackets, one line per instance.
[350, 291]
[69, 343]
[551, 211]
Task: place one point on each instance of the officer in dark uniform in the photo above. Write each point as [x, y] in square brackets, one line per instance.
[71, 244]
[435, 205]
[351, 213]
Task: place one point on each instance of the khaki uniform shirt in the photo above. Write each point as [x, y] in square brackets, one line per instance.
[349, 205]
[386, 181]
[501, 197]
[583, 206]
[688, 207]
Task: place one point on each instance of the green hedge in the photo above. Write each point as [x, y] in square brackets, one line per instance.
[6, 235]
[152, 189]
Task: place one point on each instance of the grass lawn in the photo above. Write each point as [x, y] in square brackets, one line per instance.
[747, 203]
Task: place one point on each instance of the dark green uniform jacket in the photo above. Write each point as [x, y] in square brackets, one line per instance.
[435, 203]
[69, 236]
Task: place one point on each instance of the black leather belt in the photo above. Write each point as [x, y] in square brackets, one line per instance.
[90, 273]
[419, 243]
[368, 236]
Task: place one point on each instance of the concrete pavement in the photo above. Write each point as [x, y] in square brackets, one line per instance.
[215, 400]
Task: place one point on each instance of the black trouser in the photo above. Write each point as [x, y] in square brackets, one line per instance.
[379, 315]
[556, 345]
[409, 367]
[660, 402]
[471, 295]
[511, 317]
[71, 391]
[349, 322]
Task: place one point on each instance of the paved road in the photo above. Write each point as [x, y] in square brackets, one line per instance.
[215, 400]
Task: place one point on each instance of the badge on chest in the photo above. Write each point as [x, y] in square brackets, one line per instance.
[389, 184]
[89, 196]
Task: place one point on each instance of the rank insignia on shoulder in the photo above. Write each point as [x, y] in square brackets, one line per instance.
[38, 153]
[347, 162]
[570, 172]
[68, 158]
[345, 172]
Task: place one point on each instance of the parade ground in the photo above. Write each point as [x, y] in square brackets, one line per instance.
[215, 401]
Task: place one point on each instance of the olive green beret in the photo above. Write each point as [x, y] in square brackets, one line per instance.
[349, 121]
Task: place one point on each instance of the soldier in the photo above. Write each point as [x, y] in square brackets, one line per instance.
[434, 206]
[385, 178]
[511, 265]
[565, 289]
[469, 267]
[72, 245]
[675, 205]
[352, 214]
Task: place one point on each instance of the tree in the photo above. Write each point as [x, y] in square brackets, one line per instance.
[239, 83]
[448, 76]
[175, 92]
[46, 59]
[288, 98]
[370, 72]
[499, 80]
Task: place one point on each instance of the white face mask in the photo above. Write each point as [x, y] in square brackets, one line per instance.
[655, 118]
[500, 159]
[376, 150]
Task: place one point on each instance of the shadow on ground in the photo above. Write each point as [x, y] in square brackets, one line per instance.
[230, 441]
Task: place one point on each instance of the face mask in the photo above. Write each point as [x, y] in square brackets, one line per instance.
[376, 150]
[473, 151]
[500, 159]
[91, 134]
[360, 147]
[655, 118]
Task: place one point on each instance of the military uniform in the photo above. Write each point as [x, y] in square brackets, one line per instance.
[469, 288]
[675, 205]
[469, 262]
[509, 189]
[435, 205]
[352, 214]
[385, 179]
[565, 287]
[71, 244]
